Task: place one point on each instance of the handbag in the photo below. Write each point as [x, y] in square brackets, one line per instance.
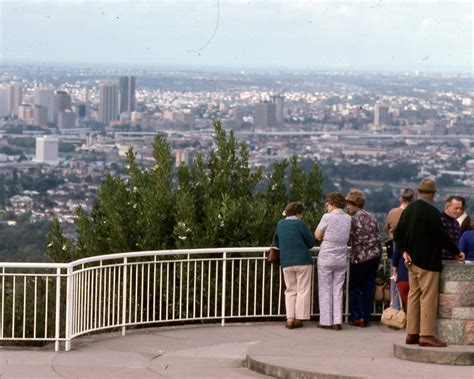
[394, 318]
[382, 293]
[274, 256]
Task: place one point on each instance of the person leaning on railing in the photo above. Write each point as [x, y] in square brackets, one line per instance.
[366, 246]
[294, 240]
[333, 230]
[466, 244]
[398, 268]
[420, 235]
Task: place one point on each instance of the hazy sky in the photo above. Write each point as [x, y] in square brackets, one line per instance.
[391, 35]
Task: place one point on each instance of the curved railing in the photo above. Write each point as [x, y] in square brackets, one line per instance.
[58, 302]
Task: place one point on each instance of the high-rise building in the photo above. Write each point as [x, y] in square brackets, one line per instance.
[81, 110]
[25, 113]
[108, 102]
[47, 150]
[44, 96]
[381, 115]
[127, 94]
[265, 115]
[183, 156]
[4, 110]
[66, 120]
[14, 97]
[40, 115]
[279, 102]
[62, 103]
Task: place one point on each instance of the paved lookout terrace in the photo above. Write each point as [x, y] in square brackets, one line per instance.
[213, 351]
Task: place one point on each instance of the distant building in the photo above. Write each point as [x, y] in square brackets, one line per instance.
[4, 110]
[127, 94]
[47, 150]
[40, 115]
[108, 102]
[265, 115]
[279, 102]
[81, 110]
[25, 113]
[14, 98]
[66, 120]
[44, 96]
[381, 115]
[62, 103]
[183, 156]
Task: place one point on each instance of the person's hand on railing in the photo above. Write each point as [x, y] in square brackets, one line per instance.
[461, 257]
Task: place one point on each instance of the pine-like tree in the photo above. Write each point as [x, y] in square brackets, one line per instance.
[214, 203]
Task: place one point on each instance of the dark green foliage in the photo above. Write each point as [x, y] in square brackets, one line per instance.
[211, 203]
[23, 242]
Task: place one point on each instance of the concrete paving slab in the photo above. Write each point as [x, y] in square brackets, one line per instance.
[105, 358]
[29, 371]
[350, 353]
[104, 372]
[213, 351]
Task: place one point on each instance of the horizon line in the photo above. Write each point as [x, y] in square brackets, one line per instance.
[368, 69]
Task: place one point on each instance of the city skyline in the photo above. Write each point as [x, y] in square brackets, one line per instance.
[300, 35]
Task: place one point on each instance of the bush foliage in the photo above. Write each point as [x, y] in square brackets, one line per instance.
[214, 202]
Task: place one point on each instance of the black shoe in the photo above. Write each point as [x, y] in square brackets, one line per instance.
[324, 326]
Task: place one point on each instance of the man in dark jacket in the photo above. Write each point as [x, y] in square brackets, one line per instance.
[452, 210]
[420, 235]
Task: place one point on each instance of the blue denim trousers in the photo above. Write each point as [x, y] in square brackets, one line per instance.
[394, 297]
[361, 289]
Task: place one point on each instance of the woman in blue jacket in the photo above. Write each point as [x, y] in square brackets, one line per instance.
[294, 240]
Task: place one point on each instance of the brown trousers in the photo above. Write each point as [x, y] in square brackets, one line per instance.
[422, 301]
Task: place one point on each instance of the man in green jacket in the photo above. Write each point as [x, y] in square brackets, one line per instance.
[421, 236]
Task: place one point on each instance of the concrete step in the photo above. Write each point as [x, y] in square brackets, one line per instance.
[455, 355]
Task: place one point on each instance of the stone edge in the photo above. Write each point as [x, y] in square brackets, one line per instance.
[439, 356]
[289, 373]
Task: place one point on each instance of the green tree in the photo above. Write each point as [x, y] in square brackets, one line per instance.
[211, 203]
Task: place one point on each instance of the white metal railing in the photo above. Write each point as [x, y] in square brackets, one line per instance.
[58, 302]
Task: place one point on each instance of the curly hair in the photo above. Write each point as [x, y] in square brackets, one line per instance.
[356, 197]
[294, 208]
[336, 199]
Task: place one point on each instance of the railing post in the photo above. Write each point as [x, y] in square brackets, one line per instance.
[348, 276]
[3, 302]
[69, 304]
[224, 266]
[124, 295]
[58, 309]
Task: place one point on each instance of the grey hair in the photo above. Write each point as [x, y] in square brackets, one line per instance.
[407, 195]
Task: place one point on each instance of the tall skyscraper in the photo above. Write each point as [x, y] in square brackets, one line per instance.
[66, 120]
[40, 115]
[25, 113]
[14, 97]
[127, 94]
[279, 102]
[381, 115]
[81, 110]
[62, 103]
[4, 110]
[47, 150]
[108, 102]
[44, 96]
[265, 115]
